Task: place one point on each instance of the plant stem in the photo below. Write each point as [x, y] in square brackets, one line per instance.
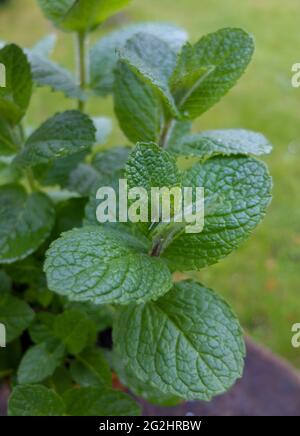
[163, 141]
[81, 62]
[31, 180]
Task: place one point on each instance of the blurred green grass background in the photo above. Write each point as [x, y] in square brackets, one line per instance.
[261, 280]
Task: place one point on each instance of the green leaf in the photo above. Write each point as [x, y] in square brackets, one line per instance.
[150, 166]
[154, 61]
[65, 134]
[141, 389]
[99, 401]
[34, 400]
[25, 222]
[5, 282]
[9, 138]
[69, 214]
[47, 73]
[84, 180]
[105, 167]
[103, 266]
[72, 328]
[206, 71]
[188, 343]
[224, 142]
[40, 361]
[237, 193]
[103, 55]
[15, 314]
[58, 171]
[137, 105]
[100, 315]
[15, 97]
[8, 173]
[80, 15]
[60, 381]
[42, 328]
[91, 369]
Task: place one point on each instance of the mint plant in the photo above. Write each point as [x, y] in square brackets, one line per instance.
[66, 278]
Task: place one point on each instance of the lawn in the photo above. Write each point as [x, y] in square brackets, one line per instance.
[261, 280]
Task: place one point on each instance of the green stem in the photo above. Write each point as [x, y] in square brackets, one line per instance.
[81, 60]
[31, 180]
[164, 137]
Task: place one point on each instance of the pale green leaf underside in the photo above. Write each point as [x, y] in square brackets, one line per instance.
[224, 142]
[45, 46]
[103, 55]
[34, 400]
[64, 134]
[103, 266]
[25, 222]
[47, 73]
[154, 61]
[15, 314]
[188, 343]
[237, 192]
[137, 105]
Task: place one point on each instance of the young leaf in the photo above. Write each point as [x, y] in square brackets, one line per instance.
[15, 314]
[225, 142]
[80, 15]
[40, 361]
[103, 55]
[25, 222]
[153, 60]
[72, 328]
[99, 401]
[65, 134]
[91, 369]
[47, 73]
[104, 266]
[237, 193]
[150, 166]
[34, 400]
[188, 343]
[207, 70]
[137, 105]
[15, 96]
